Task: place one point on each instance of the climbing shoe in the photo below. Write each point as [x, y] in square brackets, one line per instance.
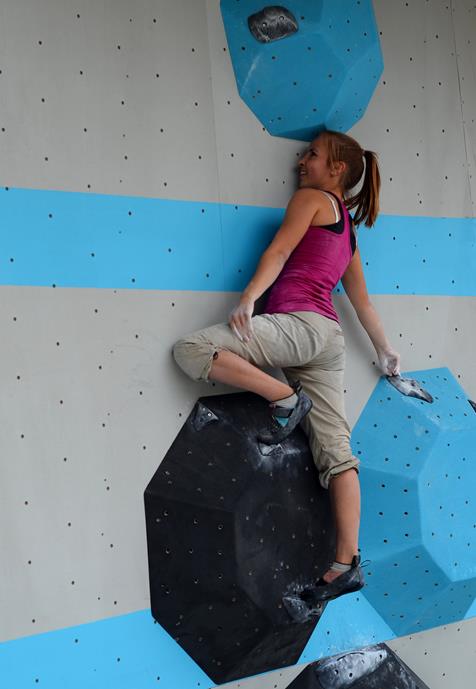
[347, 582]
[284, 420]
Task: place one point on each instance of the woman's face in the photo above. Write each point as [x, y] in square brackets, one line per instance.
[312, 167]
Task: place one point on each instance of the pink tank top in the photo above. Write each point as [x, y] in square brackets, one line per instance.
[314, 268]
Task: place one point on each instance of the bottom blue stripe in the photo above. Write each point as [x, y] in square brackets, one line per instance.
[126, 652]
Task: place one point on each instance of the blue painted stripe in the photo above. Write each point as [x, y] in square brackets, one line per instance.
[120, 652]
[134, 651]
[420, 255]
[70, 239]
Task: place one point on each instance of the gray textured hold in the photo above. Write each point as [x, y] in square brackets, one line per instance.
[272, 23]
[346, 670]
[410, 387]
[267, 450]
[202, 417]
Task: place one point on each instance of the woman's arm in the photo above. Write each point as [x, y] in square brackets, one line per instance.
[353, 281]
[299, 214]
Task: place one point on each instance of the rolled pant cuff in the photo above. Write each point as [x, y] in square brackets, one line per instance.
[326, 476]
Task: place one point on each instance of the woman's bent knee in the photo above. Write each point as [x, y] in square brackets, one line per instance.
[194, 357]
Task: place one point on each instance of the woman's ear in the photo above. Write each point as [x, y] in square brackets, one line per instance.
[338, 168]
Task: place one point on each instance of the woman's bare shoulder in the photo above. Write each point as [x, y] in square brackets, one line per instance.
[307, 193]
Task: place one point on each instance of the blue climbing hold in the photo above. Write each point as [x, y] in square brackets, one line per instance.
[304, 67]
[418, 520]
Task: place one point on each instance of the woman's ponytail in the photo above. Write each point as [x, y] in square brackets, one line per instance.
[366, 201]
[342, 147]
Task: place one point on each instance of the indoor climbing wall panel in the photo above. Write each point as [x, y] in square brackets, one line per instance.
[137, 192]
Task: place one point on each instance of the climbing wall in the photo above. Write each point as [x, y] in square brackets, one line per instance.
[137, 190]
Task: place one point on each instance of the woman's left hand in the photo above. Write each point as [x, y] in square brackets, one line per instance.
[389, 361]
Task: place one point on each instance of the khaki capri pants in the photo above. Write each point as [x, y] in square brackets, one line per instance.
[308, 347]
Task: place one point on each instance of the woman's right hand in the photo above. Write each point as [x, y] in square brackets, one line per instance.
[240, 320]
[389, 361]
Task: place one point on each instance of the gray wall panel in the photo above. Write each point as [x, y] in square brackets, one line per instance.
[416, 116]
[162, 124]
[464, 22]
[443, 657]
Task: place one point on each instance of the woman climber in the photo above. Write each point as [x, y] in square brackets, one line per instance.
[299, 331]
